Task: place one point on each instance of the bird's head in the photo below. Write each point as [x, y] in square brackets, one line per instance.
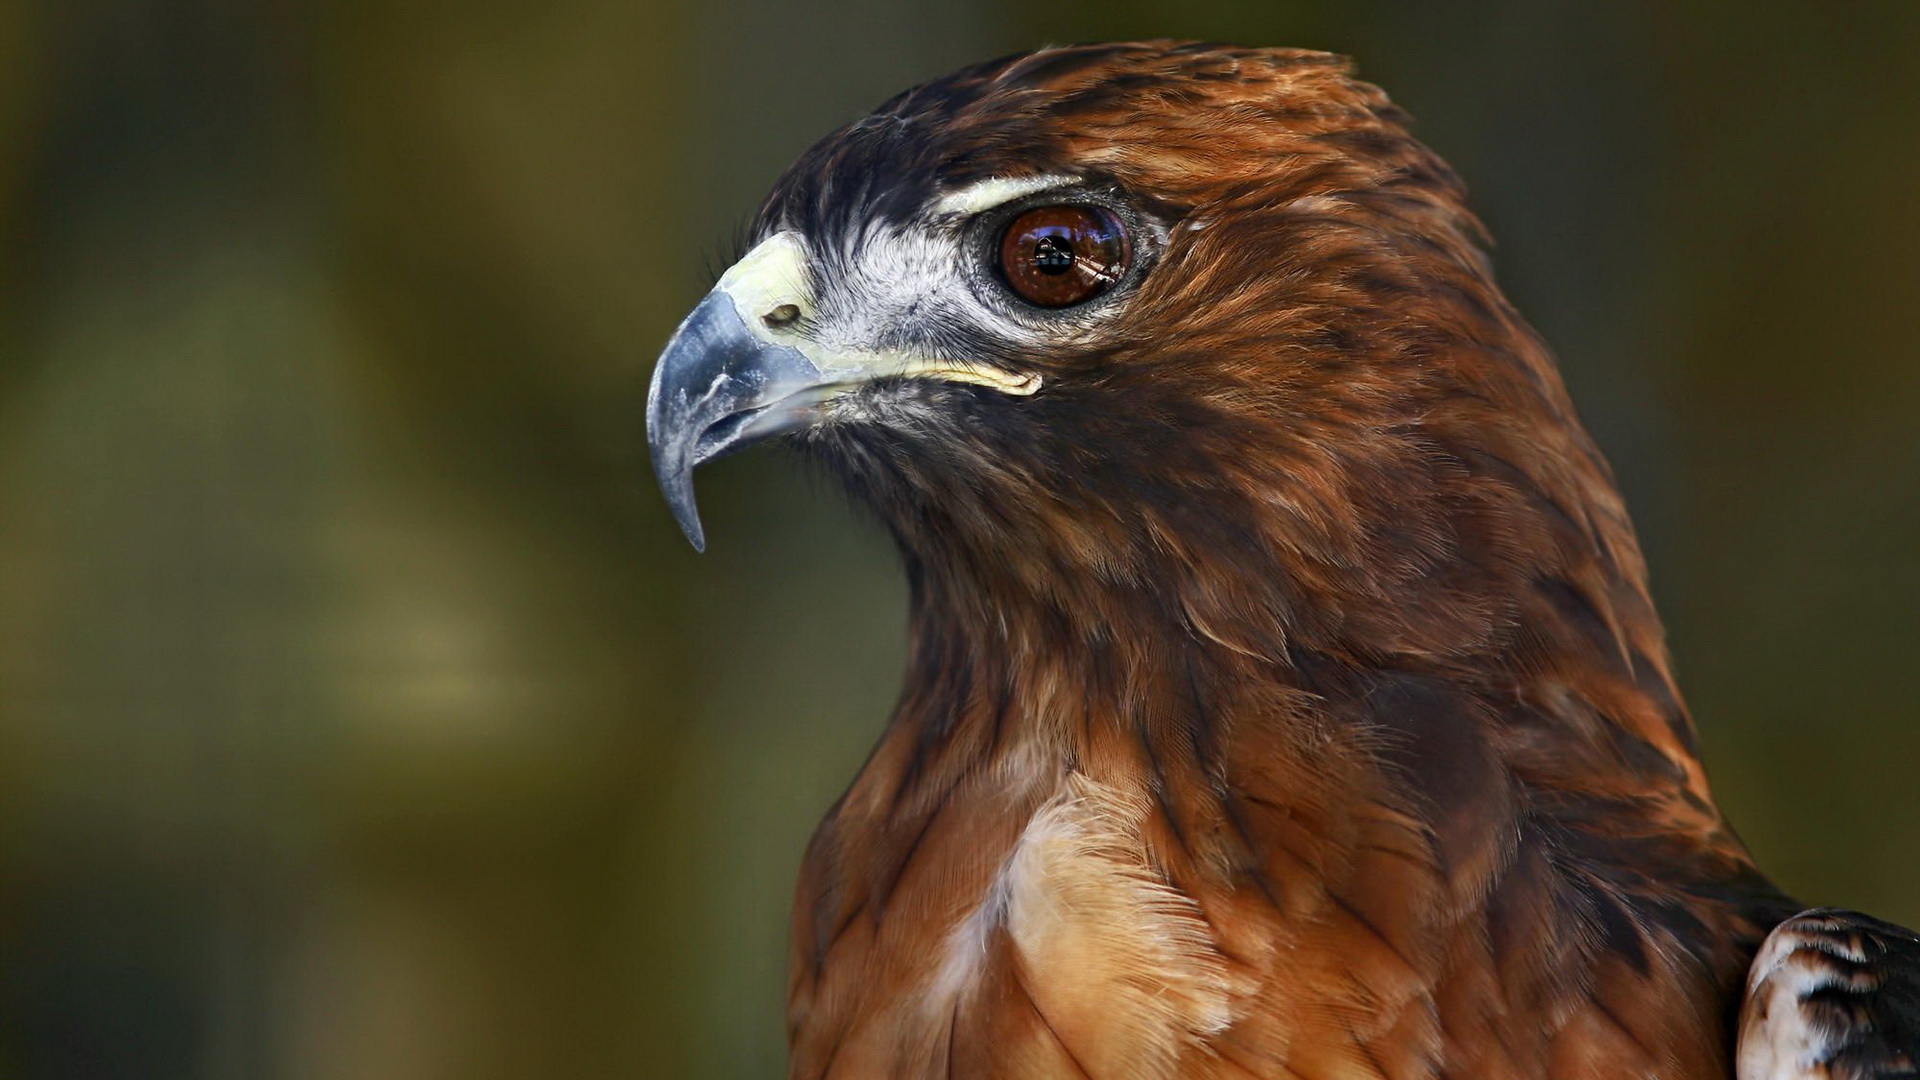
[1165, 319]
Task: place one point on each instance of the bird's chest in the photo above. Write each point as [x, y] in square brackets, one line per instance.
[1059, 945]
[1074, 955]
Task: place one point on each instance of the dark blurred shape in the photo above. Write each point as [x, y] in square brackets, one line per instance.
[361, 712]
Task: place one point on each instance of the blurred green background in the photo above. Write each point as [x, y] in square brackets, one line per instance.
[363, 715]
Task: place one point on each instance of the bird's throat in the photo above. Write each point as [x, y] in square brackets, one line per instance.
[1146, 836]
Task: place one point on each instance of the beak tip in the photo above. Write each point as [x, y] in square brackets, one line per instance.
[691, 526]
[689, 521]
[676, 484]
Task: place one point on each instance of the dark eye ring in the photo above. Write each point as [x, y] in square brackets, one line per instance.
[1058, 256]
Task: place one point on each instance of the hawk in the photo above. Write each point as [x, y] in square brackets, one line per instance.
[1285, 699]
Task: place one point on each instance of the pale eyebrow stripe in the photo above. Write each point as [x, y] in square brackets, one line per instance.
[992, 192]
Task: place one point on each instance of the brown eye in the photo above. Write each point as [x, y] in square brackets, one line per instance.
[1056, 256]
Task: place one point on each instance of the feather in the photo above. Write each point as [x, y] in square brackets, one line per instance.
[1285, 696]
[1833, 995]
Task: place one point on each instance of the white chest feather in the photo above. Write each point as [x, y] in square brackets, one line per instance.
[1122, 966]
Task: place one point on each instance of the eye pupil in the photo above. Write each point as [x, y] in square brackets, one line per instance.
[1052, 255]
[1058, 256]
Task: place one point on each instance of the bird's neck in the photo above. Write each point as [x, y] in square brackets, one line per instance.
[1060, 806]
[1147, 680]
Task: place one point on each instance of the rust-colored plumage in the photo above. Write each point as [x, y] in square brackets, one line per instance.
[1286, 700]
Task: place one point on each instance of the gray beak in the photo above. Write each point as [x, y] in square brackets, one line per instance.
[718, 388]
[742, 369]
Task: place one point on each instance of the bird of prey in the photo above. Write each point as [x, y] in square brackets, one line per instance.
[1285, 700]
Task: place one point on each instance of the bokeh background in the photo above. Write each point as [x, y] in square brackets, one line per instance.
[363, 715]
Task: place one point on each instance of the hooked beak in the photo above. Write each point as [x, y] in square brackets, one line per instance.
[719, 388]
[742, 369]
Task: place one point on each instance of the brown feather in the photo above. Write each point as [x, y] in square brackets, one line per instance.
[1285, 698]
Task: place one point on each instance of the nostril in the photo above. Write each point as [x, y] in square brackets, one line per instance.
[784, 315]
